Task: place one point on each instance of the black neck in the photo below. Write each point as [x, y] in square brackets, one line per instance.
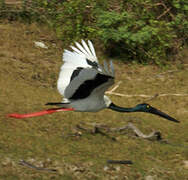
[121, 109]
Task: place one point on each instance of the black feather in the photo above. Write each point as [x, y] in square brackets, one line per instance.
[85, 89]
[76, 72]
[92, 63]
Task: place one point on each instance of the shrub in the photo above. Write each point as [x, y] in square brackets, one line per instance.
[143, 31]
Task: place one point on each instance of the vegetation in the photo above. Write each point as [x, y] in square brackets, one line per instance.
[141, 31]
[135, 30]
[28, 76]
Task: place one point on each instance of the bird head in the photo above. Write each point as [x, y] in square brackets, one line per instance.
[142, 108]
[149, 109]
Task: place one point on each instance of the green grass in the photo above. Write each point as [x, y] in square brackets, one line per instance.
[28, 80]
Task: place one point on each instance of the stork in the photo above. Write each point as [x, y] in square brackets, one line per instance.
[83, 81]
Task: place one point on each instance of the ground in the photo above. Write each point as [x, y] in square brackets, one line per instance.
[28, 77]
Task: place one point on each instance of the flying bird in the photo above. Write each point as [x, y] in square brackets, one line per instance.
[83, 81]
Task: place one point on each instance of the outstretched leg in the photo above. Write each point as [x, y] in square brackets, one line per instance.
[40, 113]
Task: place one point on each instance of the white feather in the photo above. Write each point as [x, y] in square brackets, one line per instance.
[90, 56]
[74, 59]
[92, 50]
[77, 50]
[86, 48]
[81, 49]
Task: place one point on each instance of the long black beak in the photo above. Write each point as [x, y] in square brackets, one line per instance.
[139, 108]
[162, 114]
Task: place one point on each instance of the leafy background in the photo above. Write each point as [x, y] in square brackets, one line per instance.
[149, 31]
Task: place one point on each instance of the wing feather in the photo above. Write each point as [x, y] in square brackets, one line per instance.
[84, 75]
[78, 59]
[87, 81]
[81, 49]
[92, 49]
[87, 48]
[112, 69]
[77, 50]
[105, 67]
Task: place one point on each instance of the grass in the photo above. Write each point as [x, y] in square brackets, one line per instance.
[28, 80]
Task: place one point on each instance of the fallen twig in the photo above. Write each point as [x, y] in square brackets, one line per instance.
[171, 71]
[143, 95]
[127, 95]
[151, 98]
[160, 95]
[95, 130]
[111, 92]
[155, 135]
[114, 88]
[119, 162]
[24, 163]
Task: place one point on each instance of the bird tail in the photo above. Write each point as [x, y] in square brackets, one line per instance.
[57, 104]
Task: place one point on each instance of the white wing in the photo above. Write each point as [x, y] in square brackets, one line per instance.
[82, 56]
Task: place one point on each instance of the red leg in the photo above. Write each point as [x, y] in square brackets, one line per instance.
[40, 113]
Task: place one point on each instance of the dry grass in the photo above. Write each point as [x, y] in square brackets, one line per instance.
[28, 80]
